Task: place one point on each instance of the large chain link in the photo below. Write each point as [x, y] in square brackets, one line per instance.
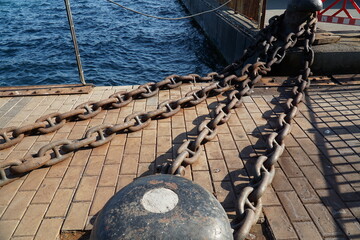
[52, 122]
[248, 205]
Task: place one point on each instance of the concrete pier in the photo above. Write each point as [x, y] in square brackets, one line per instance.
[231, 34]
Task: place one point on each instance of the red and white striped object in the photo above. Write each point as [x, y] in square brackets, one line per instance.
[339, 20]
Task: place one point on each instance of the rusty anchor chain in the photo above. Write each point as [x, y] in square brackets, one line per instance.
[52, 122]
[270, 48]
[11, 136]
[55, 152]
[249, 204]
[102, 134]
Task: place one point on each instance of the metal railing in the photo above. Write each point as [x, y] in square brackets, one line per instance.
[347, 18]
[254, 9]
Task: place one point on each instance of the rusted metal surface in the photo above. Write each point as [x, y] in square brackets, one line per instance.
[162, 207]
[43, 90]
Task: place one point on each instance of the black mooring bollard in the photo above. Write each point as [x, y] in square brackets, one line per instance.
[305, 5]
[297, 12]
[162, 207]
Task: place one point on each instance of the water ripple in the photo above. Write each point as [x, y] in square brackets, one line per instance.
[117, 47]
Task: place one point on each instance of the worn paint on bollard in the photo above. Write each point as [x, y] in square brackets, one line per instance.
[162, 207]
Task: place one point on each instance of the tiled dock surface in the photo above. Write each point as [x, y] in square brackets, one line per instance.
[315, 194]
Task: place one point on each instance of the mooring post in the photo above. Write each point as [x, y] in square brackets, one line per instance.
[299, 10]
[73, 36]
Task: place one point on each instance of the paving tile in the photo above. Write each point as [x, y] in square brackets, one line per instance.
[307, 230]
[72, 176]
[26, 143]
[18, 205]
[201, 164]
[31, 220]
[145, 169]
[179, 135]
[100, 151]
[114, 154]
[94, 166]
[226, 142]
[49, 229]
[316, 179]
[129, 164]
[164, 128]
[77, 131]
[22, 238]
[124, 180]
[323, 220]
[218, 170]
[238, 133]
[225, 194]
[234, 121]
[148, 136]
[76, 218]
[232, 159]
[58, 170]
[297, 132]
[293, 206]
[109, 175]
[2, 209]
[270, 198]
[118, 140]
[132, 146]
[81, 157]
[7, 228]
[203, 179]
[289, 167]
[60, 203]
[345, 191]
[213, 151]
[164, 144]
[249, 126]
[147, 153]
[350, 227]
[308, 146]
[354, 208]
[323, 164]
[86, 188]
[304, 190]
[279, 223]
[47, 190]
[102, 195]
[335, 205]
[8, 191]
[246, 149]
[280, 182]
[299, 156]
[242, 113]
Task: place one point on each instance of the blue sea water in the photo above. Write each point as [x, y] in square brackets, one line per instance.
[117, 47]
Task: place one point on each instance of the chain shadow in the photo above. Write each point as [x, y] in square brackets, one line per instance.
[237, 179]
[170, 155]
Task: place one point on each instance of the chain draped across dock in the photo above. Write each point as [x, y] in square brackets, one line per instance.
[239, 78]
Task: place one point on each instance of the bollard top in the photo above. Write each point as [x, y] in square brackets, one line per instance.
[305, 5]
